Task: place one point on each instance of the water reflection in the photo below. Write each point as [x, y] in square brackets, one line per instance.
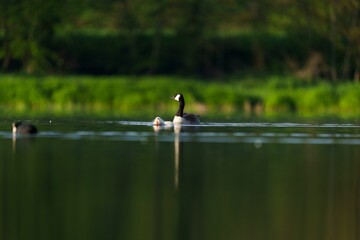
[14, 142]
[289, 185]
[181, 183]
[177, 129]
[21, 139]
[177, 142]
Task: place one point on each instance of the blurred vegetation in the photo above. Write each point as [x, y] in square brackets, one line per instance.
[213, 39]
[150, 96]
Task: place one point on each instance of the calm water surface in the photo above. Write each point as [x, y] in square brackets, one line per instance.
[127, 180]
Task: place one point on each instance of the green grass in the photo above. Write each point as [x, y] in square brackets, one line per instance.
[150, 96]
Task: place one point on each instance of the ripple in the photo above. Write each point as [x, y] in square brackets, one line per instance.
[133, 123]
[279, 125]
[255, 133]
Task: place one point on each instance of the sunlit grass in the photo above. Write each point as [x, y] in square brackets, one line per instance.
[150, 96]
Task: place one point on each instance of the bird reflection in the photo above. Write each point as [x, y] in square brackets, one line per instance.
[177, 147]
[19, 142]
[177, 130]
[14, 142]
[25, 131]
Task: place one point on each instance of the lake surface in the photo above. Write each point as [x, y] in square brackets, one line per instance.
[127, 180]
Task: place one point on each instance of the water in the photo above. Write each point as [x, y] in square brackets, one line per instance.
[127, 180]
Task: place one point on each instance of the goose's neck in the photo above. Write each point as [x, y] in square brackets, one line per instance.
[180, 110]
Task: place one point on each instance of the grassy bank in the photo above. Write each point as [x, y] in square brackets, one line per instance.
[149, 96]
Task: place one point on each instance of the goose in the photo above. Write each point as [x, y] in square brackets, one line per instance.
[23, 128]
[180, 116]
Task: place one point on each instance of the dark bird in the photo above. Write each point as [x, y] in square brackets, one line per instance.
[23, 128]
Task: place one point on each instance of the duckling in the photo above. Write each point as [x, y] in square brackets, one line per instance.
[158, 121]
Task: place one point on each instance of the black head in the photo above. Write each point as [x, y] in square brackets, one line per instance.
[16, 124]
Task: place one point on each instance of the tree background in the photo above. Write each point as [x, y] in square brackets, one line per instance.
[207, 38]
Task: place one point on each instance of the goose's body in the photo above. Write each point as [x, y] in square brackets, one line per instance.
[187, 118]
[23, 128]
[180, 116]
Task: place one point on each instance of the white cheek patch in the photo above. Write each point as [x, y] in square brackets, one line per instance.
[177, 97]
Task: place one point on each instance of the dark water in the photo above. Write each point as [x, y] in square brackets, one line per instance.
[126, 180]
